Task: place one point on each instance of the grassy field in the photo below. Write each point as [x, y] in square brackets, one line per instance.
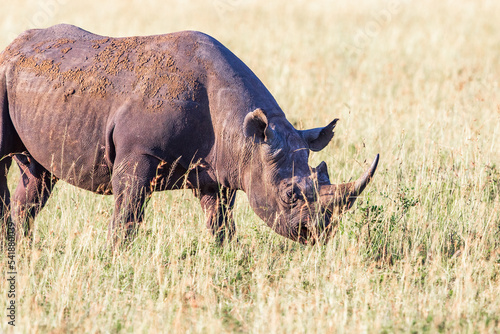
[414, 81]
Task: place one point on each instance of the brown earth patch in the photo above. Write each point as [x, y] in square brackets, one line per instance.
[115, 57]
[47, 45]
[88, 81]
[97, 43]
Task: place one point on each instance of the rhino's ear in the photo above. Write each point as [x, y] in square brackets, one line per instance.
[256, 126]
[318, 138]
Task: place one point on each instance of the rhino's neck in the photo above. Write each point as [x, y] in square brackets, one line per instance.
[233, 91]
[232, 151]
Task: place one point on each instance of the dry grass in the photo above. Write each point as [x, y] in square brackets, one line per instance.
[415, 81]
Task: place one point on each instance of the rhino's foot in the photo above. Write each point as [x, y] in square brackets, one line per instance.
[5, 222]
[122, 236]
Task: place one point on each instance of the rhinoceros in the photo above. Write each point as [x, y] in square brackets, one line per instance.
[129, 116]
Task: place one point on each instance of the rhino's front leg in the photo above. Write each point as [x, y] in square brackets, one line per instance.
[131, 183]
[218, 204]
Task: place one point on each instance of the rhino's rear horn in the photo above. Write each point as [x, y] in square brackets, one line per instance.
[320, 174]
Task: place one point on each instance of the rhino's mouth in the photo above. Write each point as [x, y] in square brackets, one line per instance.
[306, 226]
[313, 227]
[305, 236]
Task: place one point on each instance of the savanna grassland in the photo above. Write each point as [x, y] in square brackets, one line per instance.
[416, 81]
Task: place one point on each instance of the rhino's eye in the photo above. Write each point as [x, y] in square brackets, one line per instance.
[292, 195]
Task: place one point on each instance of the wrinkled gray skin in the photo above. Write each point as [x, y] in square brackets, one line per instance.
[129, 116]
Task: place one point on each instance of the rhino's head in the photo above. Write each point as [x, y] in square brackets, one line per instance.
[294, 199]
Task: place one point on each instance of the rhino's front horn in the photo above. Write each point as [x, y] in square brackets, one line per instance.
[344, 195]
[363, 181]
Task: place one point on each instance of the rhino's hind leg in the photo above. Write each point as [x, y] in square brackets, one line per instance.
[131, 181]
[4, 193]
[32, 192]
[218, 205]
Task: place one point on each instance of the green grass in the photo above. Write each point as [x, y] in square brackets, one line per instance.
[419, 252]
